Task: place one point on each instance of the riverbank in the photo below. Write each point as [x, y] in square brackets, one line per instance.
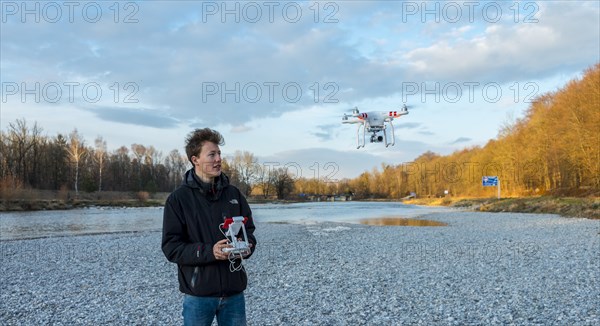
[567, 207]
[36, 200]
[481, 269]
[55, 204]
[41, 205]
[587, 207]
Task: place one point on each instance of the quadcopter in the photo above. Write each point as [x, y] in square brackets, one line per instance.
[374, 122]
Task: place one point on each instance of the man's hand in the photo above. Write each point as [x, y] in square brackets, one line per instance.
[248, 252]
[218, 250]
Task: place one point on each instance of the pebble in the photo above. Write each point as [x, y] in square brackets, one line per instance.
[483, 268]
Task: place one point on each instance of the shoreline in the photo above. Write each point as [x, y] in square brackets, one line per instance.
[580, 207]
[563, 206]
[55, 204]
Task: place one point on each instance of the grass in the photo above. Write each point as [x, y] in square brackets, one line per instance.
[33, 200]
[587, 207]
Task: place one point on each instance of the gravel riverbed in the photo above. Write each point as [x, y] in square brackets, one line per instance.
[481, 269]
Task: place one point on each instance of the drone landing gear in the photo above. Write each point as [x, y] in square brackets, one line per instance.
[375, 136]
[393, 142]
[364, 129]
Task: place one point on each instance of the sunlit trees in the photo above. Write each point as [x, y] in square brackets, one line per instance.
[32, 160]
[76, 151]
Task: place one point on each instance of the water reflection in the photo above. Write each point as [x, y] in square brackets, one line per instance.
[40, 224]
[400, 221]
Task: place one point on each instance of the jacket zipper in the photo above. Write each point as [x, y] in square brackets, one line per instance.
[194, 276]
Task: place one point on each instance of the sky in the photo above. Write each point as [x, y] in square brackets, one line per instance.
[276, 77]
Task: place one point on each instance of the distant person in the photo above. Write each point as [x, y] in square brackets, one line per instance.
[192, 237]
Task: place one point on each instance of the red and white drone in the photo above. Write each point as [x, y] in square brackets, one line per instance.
[374, 122]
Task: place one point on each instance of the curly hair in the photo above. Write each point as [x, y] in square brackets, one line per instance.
[196, 139]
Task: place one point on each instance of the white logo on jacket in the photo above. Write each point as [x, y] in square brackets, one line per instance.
[233, 201]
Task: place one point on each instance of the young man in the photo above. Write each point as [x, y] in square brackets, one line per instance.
[192, 237]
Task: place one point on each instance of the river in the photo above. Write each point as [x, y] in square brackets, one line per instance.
[96, 220]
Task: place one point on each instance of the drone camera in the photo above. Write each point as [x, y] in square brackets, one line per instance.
[376, 139]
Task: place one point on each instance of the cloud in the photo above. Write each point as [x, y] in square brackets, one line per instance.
[408, 125]
[283, 67]
[461, 140]
[140, 117]
[515, 51]
[325, 132]
[325, 163]
[339, 164]
[241, 129]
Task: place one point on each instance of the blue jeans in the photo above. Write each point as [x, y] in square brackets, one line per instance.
[230, 311]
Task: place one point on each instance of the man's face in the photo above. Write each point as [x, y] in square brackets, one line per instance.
[207, 163]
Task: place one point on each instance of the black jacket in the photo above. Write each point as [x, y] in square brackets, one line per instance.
[191, 221]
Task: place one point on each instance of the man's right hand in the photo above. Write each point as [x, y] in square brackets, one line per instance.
[218, 250]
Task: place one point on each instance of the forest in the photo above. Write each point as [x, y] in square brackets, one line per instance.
[553, 150]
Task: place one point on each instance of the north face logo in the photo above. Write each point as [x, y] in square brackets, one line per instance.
[233, 201]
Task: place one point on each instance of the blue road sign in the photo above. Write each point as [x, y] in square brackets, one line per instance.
[489, 181]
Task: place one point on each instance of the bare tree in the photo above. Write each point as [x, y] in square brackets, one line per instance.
[175, 166]
[19, 146]
[283, 183]
[76, 152]
[245, 166]
[99, 156]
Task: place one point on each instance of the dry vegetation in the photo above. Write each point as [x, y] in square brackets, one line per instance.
[567, 206]
[32, 199]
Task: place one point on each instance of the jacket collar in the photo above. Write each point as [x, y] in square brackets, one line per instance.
[210, 190]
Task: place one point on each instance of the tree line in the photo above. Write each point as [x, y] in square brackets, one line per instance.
[554, 149]
[31, 160]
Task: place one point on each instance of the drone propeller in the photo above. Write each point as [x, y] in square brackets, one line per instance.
[410, 107]
[406, 107]
[354, 113]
